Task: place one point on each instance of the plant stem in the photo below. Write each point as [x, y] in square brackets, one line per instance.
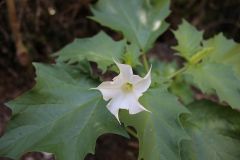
[145, 62]
[131, 132]
[181, 70]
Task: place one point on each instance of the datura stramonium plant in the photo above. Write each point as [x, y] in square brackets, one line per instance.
[124, 90]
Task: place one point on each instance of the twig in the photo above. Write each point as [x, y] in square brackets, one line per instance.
[21, 51]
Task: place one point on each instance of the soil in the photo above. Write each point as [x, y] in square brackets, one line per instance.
[46, 26]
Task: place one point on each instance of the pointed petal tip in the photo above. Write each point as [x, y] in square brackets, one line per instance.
[115, 60]
[149, 73]
[95, 88]
[114, 111]
[118, 119]
[147, 110]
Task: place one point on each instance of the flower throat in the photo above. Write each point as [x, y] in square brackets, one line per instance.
[127, 87]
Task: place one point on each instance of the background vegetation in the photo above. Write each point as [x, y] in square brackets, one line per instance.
[46, 26]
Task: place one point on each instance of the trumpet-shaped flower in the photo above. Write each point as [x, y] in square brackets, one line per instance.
[124, 90]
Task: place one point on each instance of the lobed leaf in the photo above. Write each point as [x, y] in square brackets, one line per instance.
[217, 49]
[160, 130]
[189, 40]
[59, 115]
[217, 77]
[100, 49]
[224, 51]
[141, 21]
[212, 63]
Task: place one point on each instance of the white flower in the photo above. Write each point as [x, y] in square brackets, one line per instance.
[124, 90]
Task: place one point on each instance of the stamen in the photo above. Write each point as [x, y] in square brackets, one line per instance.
[127, 87]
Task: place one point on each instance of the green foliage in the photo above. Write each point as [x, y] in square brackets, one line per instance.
[207, 63]
[59, 115]
[217, 49]
[62, 115]
[224, 51]
[159, 131]
[189, 39]
[181, 88]
[100, 49]
[132, 54]
[141, 21]
[217, 77]
[214, 130]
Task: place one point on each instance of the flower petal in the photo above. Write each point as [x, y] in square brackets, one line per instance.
[120, 102]
[135, 79]
[125, 71]
[121, 99]
[109, 89]
[136, 107]
[125, 101]
[143, 84]
[112, 107]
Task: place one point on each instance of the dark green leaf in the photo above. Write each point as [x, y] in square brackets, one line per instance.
[59, 115]
[215, 132]
[189, 40]
[100, 48]
[141, 21]
[217, 77]
[224, 51]
[160, 131]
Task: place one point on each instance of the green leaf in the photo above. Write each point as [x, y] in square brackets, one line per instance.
[181, 88]
[224, 51]
[218, 77]
[215, 132]
[132, 54]
[211, 74]
[59, 115]
[100, 49]
[189, 40]
[141, 21]
[160, 131]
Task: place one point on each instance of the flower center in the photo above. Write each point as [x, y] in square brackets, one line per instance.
[127, 87]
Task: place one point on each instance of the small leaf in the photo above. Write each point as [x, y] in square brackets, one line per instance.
[100, 48]
[159, 131]
[59, 115]
[215, 132]
[189, 40]
[218, 77]
[141, 21]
